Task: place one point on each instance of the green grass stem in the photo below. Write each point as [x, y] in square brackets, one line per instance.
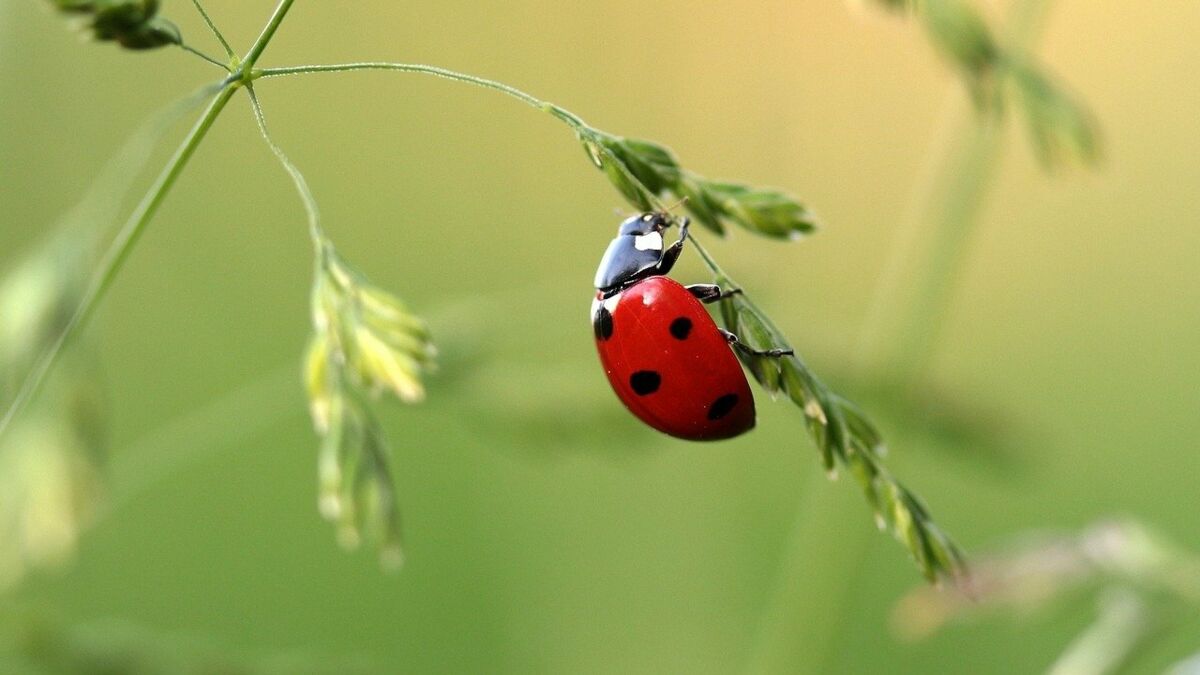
[118, 252]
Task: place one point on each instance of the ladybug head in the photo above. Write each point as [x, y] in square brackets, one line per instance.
[636, 252]
[644, 223]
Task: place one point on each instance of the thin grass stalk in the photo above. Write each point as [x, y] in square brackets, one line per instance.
[125, 241]
[954, 200]
[955, 195]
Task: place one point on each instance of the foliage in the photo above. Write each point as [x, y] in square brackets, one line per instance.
[845, 437]
[1061, 128]
[644, 171]
[133, 24]
[1144, 586]
[50, 461]
[365, 341]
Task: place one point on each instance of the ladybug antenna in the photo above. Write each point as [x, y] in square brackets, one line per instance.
[677, 204]
[671, 218]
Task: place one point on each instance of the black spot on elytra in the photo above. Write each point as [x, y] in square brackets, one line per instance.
[681, 327]
[722, 406]
[645, 382]
[602, 323]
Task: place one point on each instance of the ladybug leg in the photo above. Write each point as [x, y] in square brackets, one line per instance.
[773, 353]
[707, 293]
[669, 256]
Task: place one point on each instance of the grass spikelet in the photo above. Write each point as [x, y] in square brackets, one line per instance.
[365, 341]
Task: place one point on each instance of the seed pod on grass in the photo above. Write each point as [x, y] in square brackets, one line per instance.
[133, 24]
[365, 341]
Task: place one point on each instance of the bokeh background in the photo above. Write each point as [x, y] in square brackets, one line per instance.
[546, 530]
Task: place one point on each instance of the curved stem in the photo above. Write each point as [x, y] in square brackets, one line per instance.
[570, 118]
[192, 50]
[435, 71]
[117, 253]
[310, 203]
[213, 27]
[581, 128]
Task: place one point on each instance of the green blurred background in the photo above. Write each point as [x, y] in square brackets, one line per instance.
[546, 530]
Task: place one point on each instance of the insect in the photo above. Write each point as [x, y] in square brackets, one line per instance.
[664, 356]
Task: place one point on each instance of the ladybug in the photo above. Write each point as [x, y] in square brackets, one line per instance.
[664, 356]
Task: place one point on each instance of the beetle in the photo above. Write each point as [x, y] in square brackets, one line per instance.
[665, 357]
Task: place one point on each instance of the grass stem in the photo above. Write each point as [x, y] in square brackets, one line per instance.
[582, 129]
[215, 31]
[407, 68]
[192, 50]
[955, 197]
[118, 252]
[961, 192]
[306, 196]
[264, 38]
[116, 255]
[570, 118]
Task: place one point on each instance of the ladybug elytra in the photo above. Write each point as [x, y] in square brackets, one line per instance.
[664, 356]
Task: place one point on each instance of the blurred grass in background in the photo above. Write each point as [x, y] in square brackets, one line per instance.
[545, 529]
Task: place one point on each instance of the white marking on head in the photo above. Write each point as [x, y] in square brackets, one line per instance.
[652, 241]
[611, 303]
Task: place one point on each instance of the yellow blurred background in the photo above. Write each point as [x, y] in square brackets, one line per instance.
[546, 530]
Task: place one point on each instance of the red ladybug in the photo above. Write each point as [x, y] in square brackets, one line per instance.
[664, 356]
